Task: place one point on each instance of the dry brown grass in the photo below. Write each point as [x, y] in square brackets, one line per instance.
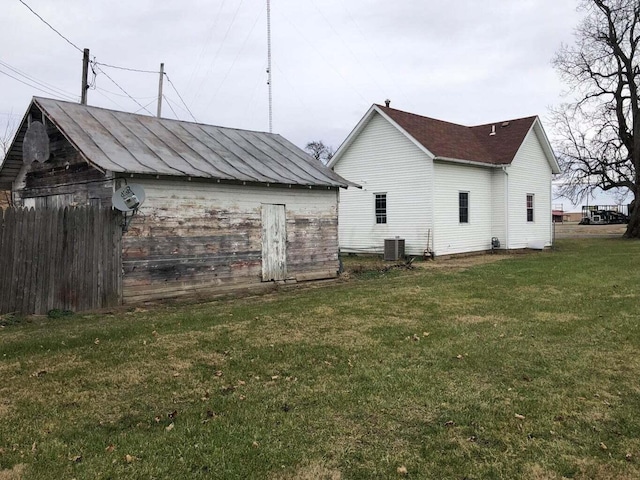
[13, 474]
[538, 472]
[471, 319]
[573, 230]
[312, 471]
[556, 317]
[462, 262]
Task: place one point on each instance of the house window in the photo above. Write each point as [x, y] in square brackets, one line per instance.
[529, 207]
[463, 207]
[381, 207]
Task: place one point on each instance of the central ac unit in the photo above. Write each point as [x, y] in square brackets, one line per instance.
[393, 249]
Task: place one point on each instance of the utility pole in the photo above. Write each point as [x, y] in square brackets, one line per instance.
[269, 66]
[85, 73]
[160, 90]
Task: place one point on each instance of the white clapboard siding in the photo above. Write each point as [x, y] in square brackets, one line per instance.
[451, 236]
[382, 160]
[499, 206]
[529, 172]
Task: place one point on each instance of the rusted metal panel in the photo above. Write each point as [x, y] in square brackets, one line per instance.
[274, 242]
[128, 143]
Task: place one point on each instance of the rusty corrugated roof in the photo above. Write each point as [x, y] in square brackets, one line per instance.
[130, 143]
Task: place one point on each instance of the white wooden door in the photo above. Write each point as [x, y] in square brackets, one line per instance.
[274, 242]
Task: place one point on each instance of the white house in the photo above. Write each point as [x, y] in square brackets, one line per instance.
[444, 188]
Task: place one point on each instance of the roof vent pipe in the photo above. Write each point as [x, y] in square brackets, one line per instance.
[387, 102]
[493, 130]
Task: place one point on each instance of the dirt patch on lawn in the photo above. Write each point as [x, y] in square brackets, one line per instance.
[314, 471]
[462, 262]
[367, 263]
[573, 230]
[14, 474]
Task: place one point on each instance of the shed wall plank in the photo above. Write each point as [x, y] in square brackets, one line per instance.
[189, 235]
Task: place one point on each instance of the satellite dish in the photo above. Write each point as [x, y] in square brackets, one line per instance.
[35, 146]
[128, 198]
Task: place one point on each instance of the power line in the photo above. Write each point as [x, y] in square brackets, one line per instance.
[323, 58]
[49, 25]
[171, 108]
[48, 92]
[58, 91]
[98, 91]
[196, 69]
[244, 44]
[124, 91]
[224, 39]
[145, 107]
[124, 96]
[346, 45]
[124, 68]
[390, 74]
[180, 97]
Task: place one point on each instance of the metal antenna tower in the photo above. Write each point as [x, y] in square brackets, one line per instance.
[269, 66]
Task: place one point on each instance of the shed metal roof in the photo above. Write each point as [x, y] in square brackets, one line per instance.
[137, 144]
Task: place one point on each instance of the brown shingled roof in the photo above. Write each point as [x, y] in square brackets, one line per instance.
[450, 140]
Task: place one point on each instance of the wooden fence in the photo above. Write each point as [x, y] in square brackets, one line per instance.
[65, 258]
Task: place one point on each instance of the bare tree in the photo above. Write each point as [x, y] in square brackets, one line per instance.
[599, 132]
[6, 137]
[320, 151]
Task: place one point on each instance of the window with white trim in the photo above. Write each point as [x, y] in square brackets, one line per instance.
[530, 205]
[381, 207]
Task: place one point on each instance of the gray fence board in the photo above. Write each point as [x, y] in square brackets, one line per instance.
[64, 258]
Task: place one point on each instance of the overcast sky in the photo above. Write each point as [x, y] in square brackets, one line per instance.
[464, 61]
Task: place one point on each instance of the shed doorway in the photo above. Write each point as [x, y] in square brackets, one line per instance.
[274, 242]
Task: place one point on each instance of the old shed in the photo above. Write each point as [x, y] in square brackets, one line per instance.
[225, 208]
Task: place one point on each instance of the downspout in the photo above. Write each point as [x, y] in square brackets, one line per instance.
[551, 224]
[340, 266]
[506, 206]
[433, 208]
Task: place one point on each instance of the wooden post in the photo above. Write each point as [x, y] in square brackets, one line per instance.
[85, 73]
[160, 89]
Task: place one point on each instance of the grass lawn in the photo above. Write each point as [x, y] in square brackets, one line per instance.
[527, 367]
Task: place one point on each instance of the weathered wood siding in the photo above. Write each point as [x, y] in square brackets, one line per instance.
[64, 258]
[451, 236]
[274, 242]
[529, 172]
[193, 238]
[66, 179]
[5, 198]
[383, 160]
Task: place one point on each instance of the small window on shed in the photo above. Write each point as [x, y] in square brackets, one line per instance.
[463, 207]
[530, 203]
[381, 207]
